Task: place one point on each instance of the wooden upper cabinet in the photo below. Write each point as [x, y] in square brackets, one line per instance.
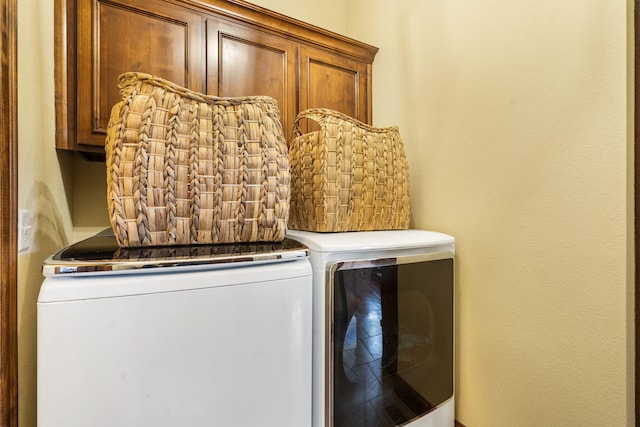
[218, 47]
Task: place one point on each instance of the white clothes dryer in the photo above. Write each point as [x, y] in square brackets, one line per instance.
[382, 328]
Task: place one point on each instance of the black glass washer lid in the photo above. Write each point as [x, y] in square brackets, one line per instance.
[101, 253]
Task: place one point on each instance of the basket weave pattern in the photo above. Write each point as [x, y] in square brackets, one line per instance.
[348, 176]
[185, 168]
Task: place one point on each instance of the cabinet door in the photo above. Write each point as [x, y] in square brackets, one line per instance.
[331, 80]
[243, 61]
[151, 36]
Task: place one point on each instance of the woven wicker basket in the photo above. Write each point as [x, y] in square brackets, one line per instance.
[348, 176]
[185, 168]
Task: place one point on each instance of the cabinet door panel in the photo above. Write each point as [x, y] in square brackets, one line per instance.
[243, 62]
[333, 86]
[328, 80]
[149, 36]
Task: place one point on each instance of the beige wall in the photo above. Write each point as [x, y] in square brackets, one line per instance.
[515, 118]
[43, 182]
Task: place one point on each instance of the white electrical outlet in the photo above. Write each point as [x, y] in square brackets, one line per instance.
[25, 231]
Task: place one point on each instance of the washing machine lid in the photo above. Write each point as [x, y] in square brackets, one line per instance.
[101, 254]
[370, 240]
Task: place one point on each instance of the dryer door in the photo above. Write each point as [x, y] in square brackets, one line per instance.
[392, 350]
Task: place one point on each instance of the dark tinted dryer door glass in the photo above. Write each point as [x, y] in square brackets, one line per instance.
[393, 341]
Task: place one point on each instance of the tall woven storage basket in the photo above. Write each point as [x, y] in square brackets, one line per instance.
[186, 168]
[348, 176]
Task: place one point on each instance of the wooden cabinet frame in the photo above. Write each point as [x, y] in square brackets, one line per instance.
[9, 213]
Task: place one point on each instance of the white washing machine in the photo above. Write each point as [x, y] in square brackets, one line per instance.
[175, 336]
[383, 328]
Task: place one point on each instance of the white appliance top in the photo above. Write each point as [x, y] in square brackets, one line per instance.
[370, 240]
[101, 254]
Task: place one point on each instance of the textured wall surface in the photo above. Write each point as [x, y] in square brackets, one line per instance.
[515, 116]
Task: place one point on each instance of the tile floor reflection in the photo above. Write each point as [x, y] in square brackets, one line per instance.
[369, 393]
